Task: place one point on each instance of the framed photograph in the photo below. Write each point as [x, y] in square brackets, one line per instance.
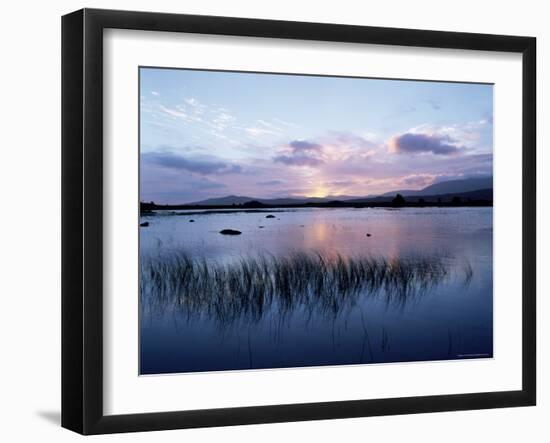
[268, 221]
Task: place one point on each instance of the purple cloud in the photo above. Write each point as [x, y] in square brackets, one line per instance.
[298, 160]
[165, 185]
[342, 183]
[198, 165]
[303, 145]
[300, 153]
[270, 182]
[349, 139]
[410, 143]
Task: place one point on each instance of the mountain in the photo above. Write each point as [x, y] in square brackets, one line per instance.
[445, 190]
[239, 200]
[448, 187]
[478, 194]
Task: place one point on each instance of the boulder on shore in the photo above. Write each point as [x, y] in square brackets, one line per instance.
[230, 232]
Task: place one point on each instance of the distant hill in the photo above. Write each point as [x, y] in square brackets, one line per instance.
[448, 187]
[445, 190]
[239, 200]
[478, 194]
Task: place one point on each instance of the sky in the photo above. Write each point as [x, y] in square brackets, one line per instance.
[206, 134]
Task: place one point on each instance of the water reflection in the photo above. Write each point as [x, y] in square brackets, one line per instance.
[315, 283]
[310, 288]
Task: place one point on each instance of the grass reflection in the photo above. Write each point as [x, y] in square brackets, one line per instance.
[311, 283]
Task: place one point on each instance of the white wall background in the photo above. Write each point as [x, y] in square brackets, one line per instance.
[30, 218]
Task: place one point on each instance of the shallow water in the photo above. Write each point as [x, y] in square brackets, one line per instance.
[451, 319]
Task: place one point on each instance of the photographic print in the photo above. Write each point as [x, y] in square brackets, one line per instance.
[291, 220]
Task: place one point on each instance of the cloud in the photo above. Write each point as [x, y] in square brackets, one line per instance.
[264, 127]
[192, 102]
[222, 120]
[165, 185]
[271, 182]
[203, 165]
[298, 160]
[350, 138]
[212, 121]
[411, 143]
[333, 150]
[174, 113]
[418, 180]
[303, 145]
[268, 125]
[285, 123]
[300, 153]
[154, 93]
[476, 135]
[256, 131]
[342, 183]
[194, 106]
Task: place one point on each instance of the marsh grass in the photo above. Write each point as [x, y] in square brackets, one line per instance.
[314, 283]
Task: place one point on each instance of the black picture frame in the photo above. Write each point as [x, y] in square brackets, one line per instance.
[82, 218]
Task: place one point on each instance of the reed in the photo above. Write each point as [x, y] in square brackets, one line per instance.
[315, 283]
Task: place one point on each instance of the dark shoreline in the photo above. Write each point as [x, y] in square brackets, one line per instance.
[148, 208]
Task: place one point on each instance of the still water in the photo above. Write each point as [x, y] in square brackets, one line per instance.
[440, 314]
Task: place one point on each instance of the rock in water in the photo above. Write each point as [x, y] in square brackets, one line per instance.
[269, 216]
[144, 224]
[368, 235]
[230, 232]
[191, 221]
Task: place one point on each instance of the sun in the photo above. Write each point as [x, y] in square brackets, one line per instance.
[319, 192]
